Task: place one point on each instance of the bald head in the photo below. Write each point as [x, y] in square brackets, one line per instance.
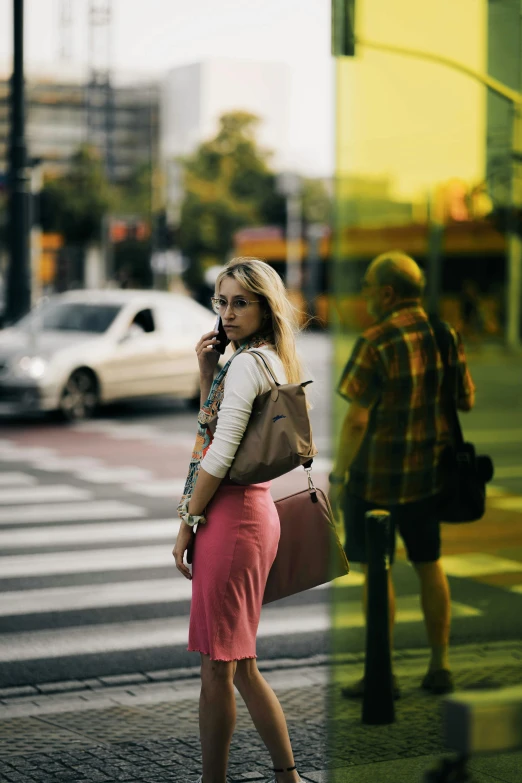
[401, 272]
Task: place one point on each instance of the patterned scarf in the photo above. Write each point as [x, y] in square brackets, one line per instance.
[207, 414]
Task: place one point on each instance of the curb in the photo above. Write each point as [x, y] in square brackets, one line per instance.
[183, 684]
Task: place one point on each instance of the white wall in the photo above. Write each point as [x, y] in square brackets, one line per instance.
[194, 96]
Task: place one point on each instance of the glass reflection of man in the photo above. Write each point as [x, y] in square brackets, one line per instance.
[391, 440]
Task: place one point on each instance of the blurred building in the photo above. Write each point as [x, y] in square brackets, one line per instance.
[194, 96]
[56, 124]
[505, 64]
[370, 201]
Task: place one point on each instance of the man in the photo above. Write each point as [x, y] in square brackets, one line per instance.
[391, 440]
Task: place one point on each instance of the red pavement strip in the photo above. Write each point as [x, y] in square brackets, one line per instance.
[163, 460]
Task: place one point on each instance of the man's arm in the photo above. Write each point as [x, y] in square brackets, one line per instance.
[466, 403]
[465, 385]
[354, 429]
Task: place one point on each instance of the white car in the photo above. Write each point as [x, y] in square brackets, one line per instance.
[81, 349]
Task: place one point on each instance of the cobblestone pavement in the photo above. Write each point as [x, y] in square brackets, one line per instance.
[148, 731]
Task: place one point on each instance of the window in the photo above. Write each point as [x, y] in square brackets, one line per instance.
[145, 320]
[72, 317]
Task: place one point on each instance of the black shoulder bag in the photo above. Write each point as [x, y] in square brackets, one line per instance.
[464, 473]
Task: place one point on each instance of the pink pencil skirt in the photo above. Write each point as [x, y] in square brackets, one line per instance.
[233, 554]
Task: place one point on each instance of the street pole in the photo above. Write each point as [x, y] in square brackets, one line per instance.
[514, 259]
[288, 185]
[435, 254]
[314, 233]
[293, 242]
[18, 277]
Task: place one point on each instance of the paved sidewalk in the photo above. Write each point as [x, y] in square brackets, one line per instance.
[146, 731]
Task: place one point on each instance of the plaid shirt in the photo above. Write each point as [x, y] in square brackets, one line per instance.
[396, 370]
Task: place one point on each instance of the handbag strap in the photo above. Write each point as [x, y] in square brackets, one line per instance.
[272, 380]
[444, 341]
[265, 365]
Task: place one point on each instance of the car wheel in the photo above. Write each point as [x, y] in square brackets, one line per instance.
[80, 396]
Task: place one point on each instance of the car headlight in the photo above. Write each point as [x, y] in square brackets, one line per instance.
[32, 366]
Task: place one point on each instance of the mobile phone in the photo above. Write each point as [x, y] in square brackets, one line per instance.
[221, 336]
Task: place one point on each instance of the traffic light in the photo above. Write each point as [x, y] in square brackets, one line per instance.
[343, 28]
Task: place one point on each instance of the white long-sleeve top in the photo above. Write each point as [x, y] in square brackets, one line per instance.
[244, 381]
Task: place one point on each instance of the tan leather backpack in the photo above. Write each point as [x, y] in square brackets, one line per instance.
[278, 437]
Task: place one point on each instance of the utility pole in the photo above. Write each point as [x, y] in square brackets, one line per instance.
[289, 185]
[18, 279]
[65, 31]
[100, 98]
[514, 258]
[435, 249]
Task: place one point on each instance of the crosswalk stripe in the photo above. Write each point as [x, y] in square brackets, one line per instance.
[516, 588]
[163, 488]
[11, 452]
[63, 599]
[16, 479]
[508, 504]
[478, 564]
[42, 494]
[87, 561]
[508, 471]
[494, 491]
[349, 614]
[118, 430]
[114, 475]
[97, 596]
[103, 532]
[69, 512]
[143, 634]
[67, 464]
[496, 435]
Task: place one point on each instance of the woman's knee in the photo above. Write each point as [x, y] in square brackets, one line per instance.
[246, 672]
[217, 671]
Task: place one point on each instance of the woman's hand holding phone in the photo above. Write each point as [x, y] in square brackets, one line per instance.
[208, 357]
[223, 340]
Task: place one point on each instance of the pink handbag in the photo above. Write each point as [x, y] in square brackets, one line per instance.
[309, 552]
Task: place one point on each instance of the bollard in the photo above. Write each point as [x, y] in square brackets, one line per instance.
[378, 707]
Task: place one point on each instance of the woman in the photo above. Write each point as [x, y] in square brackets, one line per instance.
[238, 526]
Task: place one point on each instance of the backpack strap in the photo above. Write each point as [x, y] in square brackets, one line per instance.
[272, 380]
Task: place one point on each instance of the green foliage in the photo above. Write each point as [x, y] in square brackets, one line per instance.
[317, 202]
[134, 196]
[74, 204]
[131, 261]
[228, 185]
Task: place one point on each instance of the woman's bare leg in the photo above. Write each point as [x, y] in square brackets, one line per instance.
[217, 717]
[268, 717]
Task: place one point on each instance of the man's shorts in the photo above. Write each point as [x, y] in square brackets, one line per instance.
[417, 523]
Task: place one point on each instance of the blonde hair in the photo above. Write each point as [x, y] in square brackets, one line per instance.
[261, 279]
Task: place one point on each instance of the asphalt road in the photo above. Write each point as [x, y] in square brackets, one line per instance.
[87, 524]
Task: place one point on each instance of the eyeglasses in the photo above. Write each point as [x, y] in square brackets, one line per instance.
[238, 306]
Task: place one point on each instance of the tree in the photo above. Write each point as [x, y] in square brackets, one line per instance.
[135, 195]
[228, 185]
[317, 201]
[75, 203]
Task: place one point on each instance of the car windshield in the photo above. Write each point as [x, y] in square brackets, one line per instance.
[72, 317]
